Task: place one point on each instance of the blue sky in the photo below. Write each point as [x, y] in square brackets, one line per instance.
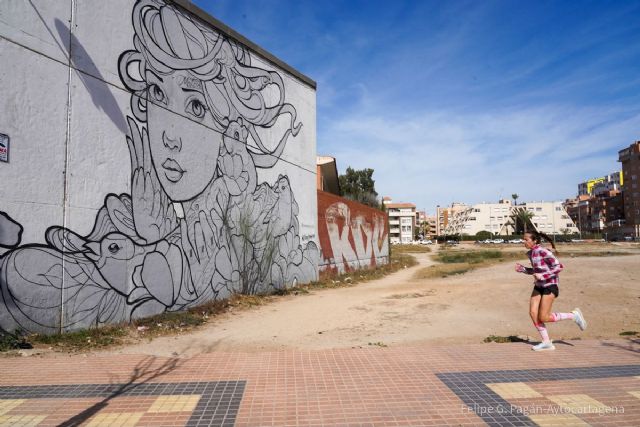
[463, 101]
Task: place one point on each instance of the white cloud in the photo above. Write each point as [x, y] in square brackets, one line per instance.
[437, 157]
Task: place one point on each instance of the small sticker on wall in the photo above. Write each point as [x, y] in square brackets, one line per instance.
[4, 147]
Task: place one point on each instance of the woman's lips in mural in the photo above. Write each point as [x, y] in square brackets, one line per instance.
[172, 170]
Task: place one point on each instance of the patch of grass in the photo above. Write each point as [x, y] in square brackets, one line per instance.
[86, 339]
[573, 254]
[470, 257]
[454, 261]
[403, 249]
[442, 270]
[629, 333]
[330, 280]
[13, 341]
[378, 344]
[499, 339]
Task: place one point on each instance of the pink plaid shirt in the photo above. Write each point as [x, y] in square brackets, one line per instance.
[543, 261]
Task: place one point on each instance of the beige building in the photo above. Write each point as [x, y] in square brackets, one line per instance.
[402, 220]
[426, 224]
[547, 217]
[445, 214]
[327, 175]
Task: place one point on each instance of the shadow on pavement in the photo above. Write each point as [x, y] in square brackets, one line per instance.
[143, 372]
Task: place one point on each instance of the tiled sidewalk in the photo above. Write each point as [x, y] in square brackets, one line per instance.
[581, 383]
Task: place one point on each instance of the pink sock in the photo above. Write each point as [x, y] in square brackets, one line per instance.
[556, 317]
[541, 327]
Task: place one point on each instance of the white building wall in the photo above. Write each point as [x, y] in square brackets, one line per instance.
[548, 217]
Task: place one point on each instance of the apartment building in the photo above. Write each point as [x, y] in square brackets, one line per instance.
[601, 185]
[597, 213]
[445, 214]
[402, 220]
[426, 224]
[496, 218]
[630, 159]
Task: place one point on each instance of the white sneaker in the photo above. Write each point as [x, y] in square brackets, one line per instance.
[544, 346]
[579, 319]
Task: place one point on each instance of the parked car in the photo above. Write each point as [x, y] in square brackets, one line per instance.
[452, 242]
[425, 242]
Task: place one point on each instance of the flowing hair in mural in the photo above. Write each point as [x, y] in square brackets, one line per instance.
[198, 224]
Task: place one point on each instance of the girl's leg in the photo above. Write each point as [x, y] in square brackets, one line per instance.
[545, 314]
[534, 310]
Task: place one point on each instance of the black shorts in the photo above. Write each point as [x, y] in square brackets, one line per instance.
[547, 290]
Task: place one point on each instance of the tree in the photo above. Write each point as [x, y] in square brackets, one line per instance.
[521, 218]
[358, 185]
[514, 196]
[483, 235]
[422, 230]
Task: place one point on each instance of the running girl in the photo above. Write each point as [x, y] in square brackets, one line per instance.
[545, 268]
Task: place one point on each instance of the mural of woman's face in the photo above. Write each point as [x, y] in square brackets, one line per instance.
[184, 144]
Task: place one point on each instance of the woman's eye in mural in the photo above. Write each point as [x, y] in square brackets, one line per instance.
[113, 248]
[156, 93]
[196, 108]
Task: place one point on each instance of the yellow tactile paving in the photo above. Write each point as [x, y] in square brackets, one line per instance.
[175, 403]
[8, 404]
[635, 394]
[578, 403]
[513, 390]
[559, 420]
[110, 419]
[21, 420]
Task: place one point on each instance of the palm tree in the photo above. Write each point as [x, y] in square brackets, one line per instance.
[514, 196]
[522, 216]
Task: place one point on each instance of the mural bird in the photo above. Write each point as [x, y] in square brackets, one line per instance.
[277, 207]
[140, 272]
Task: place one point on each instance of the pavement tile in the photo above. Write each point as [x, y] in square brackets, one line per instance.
[421, 385]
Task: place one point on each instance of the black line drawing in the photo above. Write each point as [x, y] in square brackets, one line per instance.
[198, 224]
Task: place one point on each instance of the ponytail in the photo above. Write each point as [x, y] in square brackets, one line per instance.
[539, 235]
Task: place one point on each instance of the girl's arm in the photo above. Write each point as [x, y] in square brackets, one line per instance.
[522, 269]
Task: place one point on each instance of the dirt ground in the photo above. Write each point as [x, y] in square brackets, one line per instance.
[400, 310]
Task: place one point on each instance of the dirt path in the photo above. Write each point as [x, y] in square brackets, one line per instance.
[401, 310]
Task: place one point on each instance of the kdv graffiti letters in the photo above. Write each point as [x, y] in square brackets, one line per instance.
[352, 235]
[198, 223]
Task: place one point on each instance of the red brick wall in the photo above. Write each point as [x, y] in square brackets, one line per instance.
[351, 235]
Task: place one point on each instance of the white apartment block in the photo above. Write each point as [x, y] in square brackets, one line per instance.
[548, 217]
[402, 221]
